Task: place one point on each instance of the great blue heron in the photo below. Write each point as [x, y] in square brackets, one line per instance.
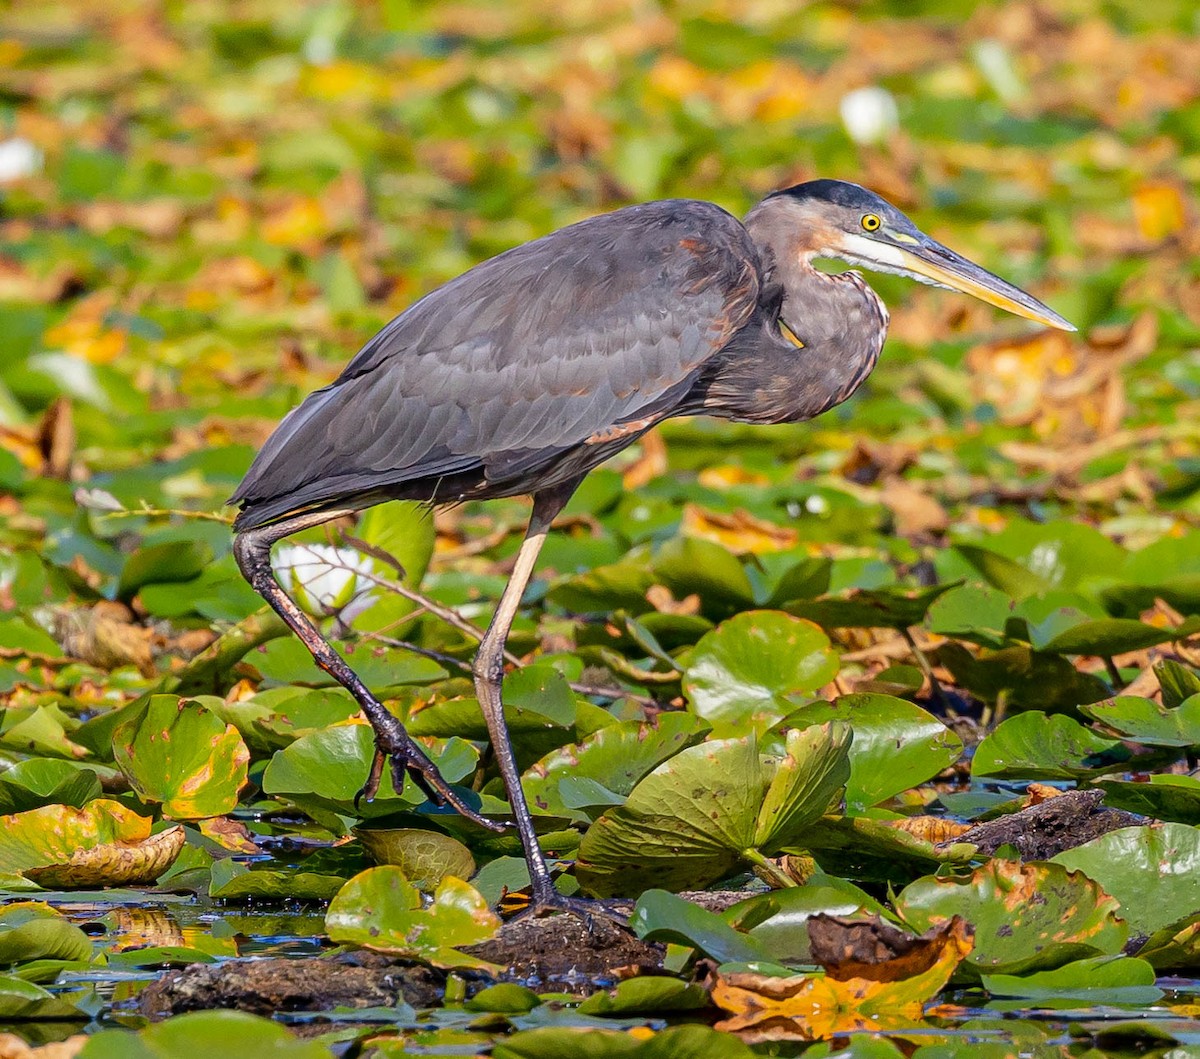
[524, 373]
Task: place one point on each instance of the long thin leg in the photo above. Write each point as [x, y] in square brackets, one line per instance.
[393, 744]
[489, 675]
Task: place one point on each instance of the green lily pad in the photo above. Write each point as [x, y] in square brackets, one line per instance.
[380, 909]
[1176, 947]
[287, 661]
[46, 781]
[1026, 917]
[1029, 679]
[646, 995]
[778, 919]
[1115, 636]
[324, 771]
[896, 746]
[1164, 797]
[977, 613]
[1086, 983]
[536, 698]
[662, 916]
[425, 857]
[1178, 682]
[710, 807]
[1035, 746]
[604, 589]
[30, 930]
[179, 754]
[861, 847]
[1129, 864]
[507, 998]
[675, 1042]
[163, 563]
[185, 1036]
[1146, 722]
[1027, 557]
[404, 530]
[25, 1001]
[888, 608]
[614, 759]
[739, 674]
[688, 565]
[232, 880]
[279, 716]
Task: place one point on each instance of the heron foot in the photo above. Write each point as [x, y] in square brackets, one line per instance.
[397, 749]
[583, 908]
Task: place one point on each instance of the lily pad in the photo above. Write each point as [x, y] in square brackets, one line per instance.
[739, 674]
[675, 1042]
[896, 746]
[662, 916]
[324, 771]
[1146, 722]
[1035, 746]
[711, 807]
[646, 995]
[888, 608]
[1026, 917]
[1029, 679]
[1163, 797]
[614, 758]
[1129, 864]
[179, 754]
[197, 1032]
[46, 781]
[30, 930]
[1115, 636]
[977, 613]
[380, 909]
[25, 1001]
[232, 880]
[425, 857]
[1085, 983]
[102, 844]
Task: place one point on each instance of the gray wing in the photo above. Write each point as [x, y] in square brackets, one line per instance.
[533, 351]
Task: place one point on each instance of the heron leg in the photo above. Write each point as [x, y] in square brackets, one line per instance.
[252, 549]
[489, 676]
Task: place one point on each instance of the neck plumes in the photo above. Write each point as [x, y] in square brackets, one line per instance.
[839, 321]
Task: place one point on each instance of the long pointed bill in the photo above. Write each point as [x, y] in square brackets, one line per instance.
[943, 266]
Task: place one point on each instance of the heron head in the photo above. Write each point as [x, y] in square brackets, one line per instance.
[855, 225]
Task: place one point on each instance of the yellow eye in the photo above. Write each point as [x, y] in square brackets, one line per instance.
[871, 222]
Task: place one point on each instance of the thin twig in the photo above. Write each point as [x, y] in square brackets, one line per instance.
[166, 512]
[598, 690]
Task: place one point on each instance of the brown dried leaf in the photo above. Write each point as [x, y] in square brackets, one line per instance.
[874, 949]
[934, 829]
[813, 1007]
[738, 531]
[232, 834]
[13, 1047]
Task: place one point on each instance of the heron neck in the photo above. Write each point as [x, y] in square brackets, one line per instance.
[766, 377]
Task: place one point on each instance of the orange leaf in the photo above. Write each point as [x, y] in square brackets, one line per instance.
[818, 1006]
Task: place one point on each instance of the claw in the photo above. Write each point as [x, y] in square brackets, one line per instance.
[371, 787]
[407, 759]
[584, 908]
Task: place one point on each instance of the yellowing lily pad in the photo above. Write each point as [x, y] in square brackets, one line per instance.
[180, 754]
[102, 844]
[1026, 917]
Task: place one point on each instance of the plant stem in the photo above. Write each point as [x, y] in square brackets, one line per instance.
[768, 871]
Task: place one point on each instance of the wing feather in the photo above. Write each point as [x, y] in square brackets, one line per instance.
[536, 349]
